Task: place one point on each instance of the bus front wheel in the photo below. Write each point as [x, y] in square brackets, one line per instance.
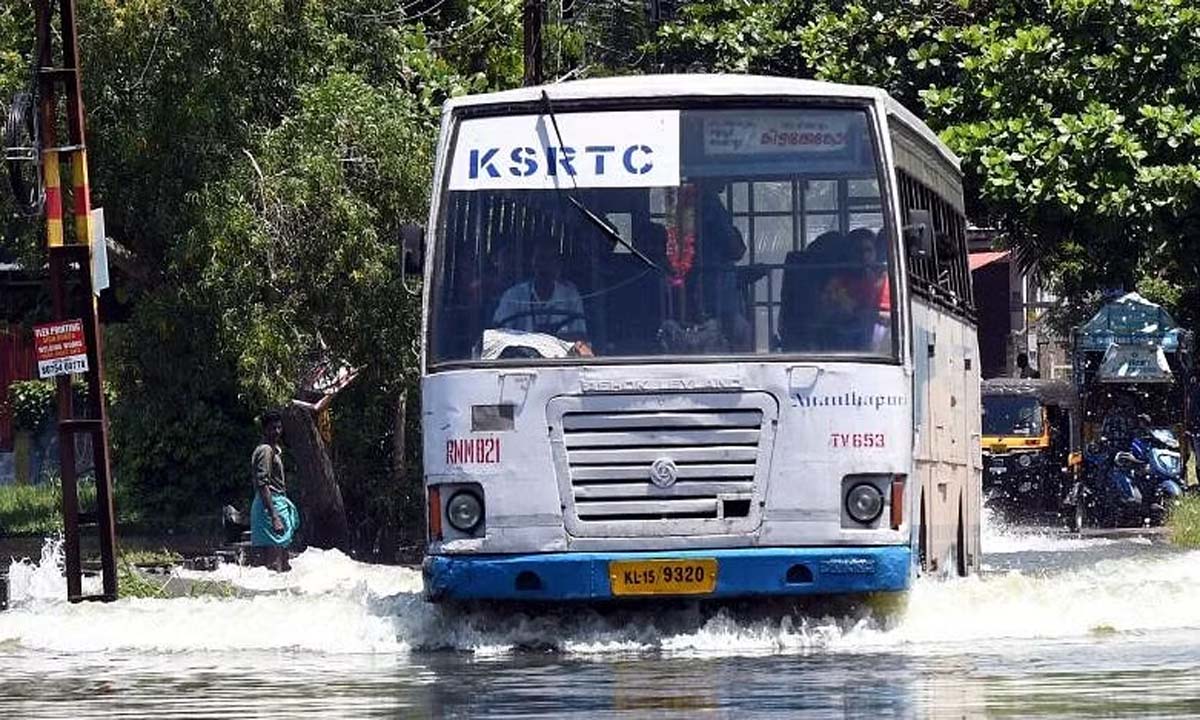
[961, 543]
[922, 539]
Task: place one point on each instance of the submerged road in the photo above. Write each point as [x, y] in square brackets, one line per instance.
[1107, 624]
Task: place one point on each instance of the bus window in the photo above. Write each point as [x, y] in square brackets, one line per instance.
[731, 232]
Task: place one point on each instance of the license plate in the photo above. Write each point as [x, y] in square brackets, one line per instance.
[663, 577]
[999, 470]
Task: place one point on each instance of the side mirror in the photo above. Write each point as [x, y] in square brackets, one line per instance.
[918, 233]
[412, 248]
[1125, 459]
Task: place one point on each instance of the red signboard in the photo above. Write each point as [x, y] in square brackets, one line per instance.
[60, 348]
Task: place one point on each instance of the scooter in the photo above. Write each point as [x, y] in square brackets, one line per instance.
[1142, 482]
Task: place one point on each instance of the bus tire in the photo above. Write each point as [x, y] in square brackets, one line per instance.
[961, 544]
[922, 539]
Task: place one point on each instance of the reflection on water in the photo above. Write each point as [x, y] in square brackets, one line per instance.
[1060, 627]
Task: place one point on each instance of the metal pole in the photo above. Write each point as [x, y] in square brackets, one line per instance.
[54, 241]
[64, 259]
[106, 525]
[82, 202]
[531, 23]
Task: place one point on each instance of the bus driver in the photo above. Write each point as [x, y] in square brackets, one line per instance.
[543, 304]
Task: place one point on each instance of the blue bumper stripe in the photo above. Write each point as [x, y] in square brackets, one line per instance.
[740, 573]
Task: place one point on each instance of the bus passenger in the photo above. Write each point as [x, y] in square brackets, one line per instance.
[722, 246]
[543, 304]
[862, 296]
[805, 318]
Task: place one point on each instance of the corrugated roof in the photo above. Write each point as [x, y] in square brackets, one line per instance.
[979, 259]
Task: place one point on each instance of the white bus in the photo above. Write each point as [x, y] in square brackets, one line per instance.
[697, 335]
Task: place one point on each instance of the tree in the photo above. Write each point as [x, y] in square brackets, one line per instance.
[257, 158]
[1076, 119]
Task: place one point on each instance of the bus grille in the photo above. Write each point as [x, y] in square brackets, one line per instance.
[637, 466]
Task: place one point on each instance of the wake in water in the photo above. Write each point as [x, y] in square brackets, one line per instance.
[999, 538]
[333, 605]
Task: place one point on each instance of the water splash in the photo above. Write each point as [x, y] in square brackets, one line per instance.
[37, 582]
[1000, 538]
[331, 604]
[318, 572]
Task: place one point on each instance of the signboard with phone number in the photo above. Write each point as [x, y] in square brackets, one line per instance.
[60, 348]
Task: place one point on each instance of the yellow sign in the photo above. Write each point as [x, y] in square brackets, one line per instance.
[663, 577]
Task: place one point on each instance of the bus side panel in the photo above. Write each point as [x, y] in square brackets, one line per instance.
[944, 495]
[973, 430]
[923, 464]
[945, 459]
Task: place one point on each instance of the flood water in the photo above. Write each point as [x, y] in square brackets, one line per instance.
[1056, 626]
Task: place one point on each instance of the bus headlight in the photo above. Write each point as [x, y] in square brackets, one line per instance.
[464, 511]
[1025, 460]
[864, 502]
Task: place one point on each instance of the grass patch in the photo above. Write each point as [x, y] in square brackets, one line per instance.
[151, 558]
[1184, 522]
[135, 581]
[37, 509]
[131, 583]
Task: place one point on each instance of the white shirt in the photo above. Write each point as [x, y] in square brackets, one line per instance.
[544, 314]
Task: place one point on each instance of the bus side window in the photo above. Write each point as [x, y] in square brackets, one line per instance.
[944, 276]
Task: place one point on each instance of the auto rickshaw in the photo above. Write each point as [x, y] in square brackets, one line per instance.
[1031, 449]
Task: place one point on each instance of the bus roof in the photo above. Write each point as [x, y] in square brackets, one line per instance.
[654, 86]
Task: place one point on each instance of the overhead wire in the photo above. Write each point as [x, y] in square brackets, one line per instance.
[484, 18]
[486, 21]
[435, 7]
[401, 10]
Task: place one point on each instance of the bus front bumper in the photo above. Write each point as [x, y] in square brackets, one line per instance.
[739, 573]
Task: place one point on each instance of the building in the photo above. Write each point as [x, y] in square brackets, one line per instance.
[1011, 305]
[18, 295]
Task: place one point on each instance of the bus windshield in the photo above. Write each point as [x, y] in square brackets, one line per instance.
[1012, 415]
[653, 233]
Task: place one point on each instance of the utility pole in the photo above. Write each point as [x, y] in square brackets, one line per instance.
[71, 292]
[531, 23]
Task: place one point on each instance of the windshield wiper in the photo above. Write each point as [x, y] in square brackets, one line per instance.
[600, 223]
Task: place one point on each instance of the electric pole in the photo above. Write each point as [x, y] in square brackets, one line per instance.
[75, 307]
[531, 23]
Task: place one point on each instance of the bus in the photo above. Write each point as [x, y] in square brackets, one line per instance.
[701, 336]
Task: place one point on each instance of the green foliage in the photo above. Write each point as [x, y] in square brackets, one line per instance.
[31, 404]
[1184, 522]
[37, 509]
[14, 58]
[151, 558]
[737, 36]
[133, 584]
[181, 436]
[18, 238]
[305, 266]
[1077, 122]
[258, 158]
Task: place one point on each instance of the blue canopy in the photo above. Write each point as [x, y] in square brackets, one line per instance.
[1130, 320]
